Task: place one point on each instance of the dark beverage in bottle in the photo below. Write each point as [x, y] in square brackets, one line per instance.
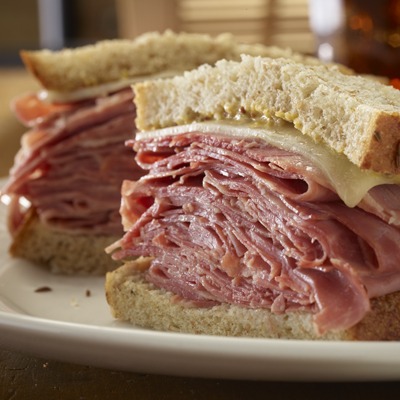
[362, 34]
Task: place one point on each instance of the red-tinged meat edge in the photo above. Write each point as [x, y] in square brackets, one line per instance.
[237, 221]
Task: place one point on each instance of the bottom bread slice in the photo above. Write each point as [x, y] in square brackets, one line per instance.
[135, 300]
[62, 252]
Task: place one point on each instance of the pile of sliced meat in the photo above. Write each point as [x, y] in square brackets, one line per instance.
[241, 222]
[72, 162]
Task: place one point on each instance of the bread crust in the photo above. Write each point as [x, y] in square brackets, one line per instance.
[62, 252]
[112, 60]
[140, 303]
[353, 115]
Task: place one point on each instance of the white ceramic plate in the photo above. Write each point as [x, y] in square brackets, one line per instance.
[72, 323]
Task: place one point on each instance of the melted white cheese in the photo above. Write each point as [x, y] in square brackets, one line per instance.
[53, 96]
[350, 182]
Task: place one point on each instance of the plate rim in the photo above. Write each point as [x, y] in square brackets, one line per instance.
[146, 348]
[122, 346]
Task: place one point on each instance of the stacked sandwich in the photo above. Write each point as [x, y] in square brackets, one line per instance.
[270, 206]
[64, 188]
[260, 195]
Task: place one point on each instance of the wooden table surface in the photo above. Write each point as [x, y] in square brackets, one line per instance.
[23, 376]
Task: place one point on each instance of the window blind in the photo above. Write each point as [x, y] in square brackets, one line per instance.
[272, 22]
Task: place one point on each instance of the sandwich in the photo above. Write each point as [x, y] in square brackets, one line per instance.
[270, 206]
[64, 188]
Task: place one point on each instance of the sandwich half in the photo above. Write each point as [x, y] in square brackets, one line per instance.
[64, 188]
[270, 207]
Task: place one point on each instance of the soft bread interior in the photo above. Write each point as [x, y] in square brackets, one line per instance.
[352, 115]
[62, 252]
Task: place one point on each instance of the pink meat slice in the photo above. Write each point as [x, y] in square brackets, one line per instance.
[241, 222]
[72, 163]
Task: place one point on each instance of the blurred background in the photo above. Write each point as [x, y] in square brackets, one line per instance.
[32, 24]
[363, 34]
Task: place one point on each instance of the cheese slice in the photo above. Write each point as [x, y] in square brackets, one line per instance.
[53, 96]
[350, 182]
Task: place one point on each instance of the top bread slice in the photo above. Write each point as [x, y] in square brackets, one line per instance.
[151, 53]
[353, 115]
